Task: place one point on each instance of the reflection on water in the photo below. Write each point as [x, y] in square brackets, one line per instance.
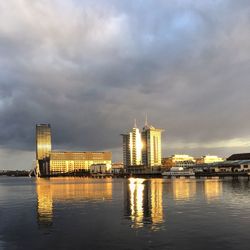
[44, 203]
[212, 189]
[143, 198]
[183, 189]
[136, 199]
[83, 213]
[156, 188]
[143, 202]
[63, 190]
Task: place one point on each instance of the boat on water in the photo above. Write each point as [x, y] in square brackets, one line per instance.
[178, 171]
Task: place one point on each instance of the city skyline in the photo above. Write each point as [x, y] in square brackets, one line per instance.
[95, 65]
[120, 149]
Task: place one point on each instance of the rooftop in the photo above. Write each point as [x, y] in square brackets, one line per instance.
[235, 157]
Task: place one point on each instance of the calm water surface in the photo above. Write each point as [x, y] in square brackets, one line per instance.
[82, 213]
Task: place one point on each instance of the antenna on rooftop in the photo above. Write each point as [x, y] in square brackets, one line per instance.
[135, 126]
[146, 120]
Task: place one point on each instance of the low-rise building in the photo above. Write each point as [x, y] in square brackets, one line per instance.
[244, 166]
[239, 157]
[230, 166]
[117, 168]
[207, 159]
[100, 168]
[66, 162]
[184, 161]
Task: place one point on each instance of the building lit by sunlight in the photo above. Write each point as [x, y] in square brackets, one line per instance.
[142, 149]
[65, 162]
[206, 159]
[132, 147]
[151, 150]
[43, 148]
[184, 161]
[135, 146]
[57, 162]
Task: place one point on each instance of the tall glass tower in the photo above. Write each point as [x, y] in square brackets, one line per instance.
[43, 148]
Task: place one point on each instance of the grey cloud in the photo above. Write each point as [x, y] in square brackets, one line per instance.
[90, 67]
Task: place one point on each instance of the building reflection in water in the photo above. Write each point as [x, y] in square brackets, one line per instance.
[143, 202]
[61, 190]
[183, 189]
[156, 187]
[44, 204]
[212, 189]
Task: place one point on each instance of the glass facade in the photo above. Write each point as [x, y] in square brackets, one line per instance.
[43, 148]
[55, 162]
[43, 141]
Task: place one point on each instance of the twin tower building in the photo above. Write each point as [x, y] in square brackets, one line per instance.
[142, 148]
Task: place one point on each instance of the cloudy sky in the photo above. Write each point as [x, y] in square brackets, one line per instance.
[90, 67]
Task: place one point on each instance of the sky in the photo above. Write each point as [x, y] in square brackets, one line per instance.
[90, 67]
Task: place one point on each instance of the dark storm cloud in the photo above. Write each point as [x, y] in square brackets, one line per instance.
[90, 67]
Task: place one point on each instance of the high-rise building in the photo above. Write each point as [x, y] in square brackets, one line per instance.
[43, 148]
[126, 150]
[57, 162]
[132, 147]
[142, 148]
[43, 141]
[151, 145]
[135, 146]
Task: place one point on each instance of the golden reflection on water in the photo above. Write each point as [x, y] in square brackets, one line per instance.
[212, 189]
[143, 198]
[54, 190]
[136, 189]
[156, 201]
[44, 204]
[183, 189]
[144, 202]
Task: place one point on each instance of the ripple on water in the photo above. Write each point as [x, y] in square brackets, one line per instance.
[135, 214]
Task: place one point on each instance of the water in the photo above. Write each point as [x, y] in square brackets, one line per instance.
[82, 213]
